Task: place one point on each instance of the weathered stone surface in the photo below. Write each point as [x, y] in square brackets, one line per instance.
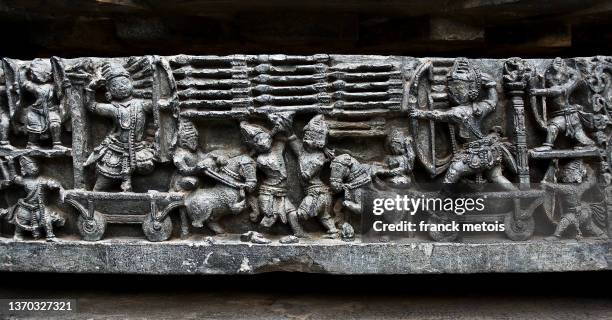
[230, 256]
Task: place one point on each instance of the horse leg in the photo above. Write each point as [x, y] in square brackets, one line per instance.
[18, 233]
[198, 219]
[240, 203]
[215, 226]
[184, 223]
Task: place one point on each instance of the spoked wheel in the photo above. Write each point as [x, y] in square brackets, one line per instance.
[92, 229]
[156, 231]
[519, 230]
[441, 236]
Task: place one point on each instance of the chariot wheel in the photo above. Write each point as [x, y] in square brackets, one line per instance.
[519, 230]
[441, 236]
[156, 231]
[92, 229]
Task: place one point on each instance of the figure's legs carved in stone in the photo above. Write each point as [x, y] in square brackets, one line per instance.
[568, 220]
[294, 223]
[496, 176]
[104, 183]
[47, 224]
[456, 171]
[553, 127]
[33, 140]
[582, 139]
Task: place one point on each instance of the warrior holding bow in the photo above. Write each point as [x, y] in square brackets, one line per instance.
[561, 80]
[480, 153]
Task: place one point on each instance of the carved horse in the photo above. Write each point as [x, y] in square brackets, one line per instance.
[350, 176]
[208, 205]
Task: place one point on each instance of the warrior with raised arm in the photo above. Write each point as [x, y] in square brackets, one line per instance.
[480, 153]
[313, 155]
[32, 213]
[124, 151]
[267, 149]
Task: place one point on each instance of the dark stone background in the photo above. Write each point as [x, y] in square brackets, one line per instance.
[477, 28]
[473, 28]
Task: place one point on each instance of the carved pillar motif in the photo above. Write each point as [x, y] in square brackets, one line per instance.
[517, 74]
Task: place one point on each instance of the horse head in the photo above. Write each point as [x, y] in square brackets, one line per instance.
[243, 169]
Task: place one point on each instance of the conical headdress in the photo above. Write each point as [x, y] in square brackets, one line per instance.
[113, 70]
[463, 70]
[250, 131]
[316, 131]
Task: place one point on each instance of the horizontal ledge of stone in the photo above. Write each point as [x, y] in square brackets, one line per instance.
[128, 256]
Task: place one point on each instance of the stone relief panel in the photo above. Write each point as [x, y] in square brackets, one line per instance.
[264, 148]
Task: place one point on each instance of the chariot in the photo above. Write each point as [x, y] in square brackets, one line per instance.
[92, 221]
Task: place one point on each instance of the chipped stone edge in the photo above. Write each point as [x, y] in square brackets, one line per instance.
[127, 256]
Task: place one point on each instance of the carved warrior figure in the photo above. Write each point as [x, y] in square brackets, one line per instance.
[560, 81]
[575, 181]
[313, 155]
[399, 164]
[43, 115]
[350, 176]
[124, 151]
[187, 155]
[480, 153]
[31, 213]
[268, 148]
[4, 114]
[235, 177]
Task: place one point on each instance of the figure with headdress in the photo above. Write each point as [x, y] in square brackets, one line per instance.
[43, 115]
[267, 148]
[124, 151]
[560, 81]
[474, 97]
[4, 114]
[187, 155]
[575, 180]
[313, 155]
[190, 162]
[32, 212]
[400, 162]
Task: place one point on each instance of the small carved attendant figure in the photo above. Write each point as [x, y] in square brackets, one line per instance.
[561, 80]
[313, 155]
[43, 115]
[31, 213]
[573, 185]
[268, 149]
[480, 153]
[187, 155]
[124, 151]
[4, 114]
[401, 161]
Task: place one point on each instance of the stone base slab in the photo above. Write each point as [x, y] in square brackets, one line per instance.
[230, 256]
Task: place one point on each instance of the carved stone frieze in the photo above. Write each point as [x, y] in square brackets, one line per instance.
[284, 149]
